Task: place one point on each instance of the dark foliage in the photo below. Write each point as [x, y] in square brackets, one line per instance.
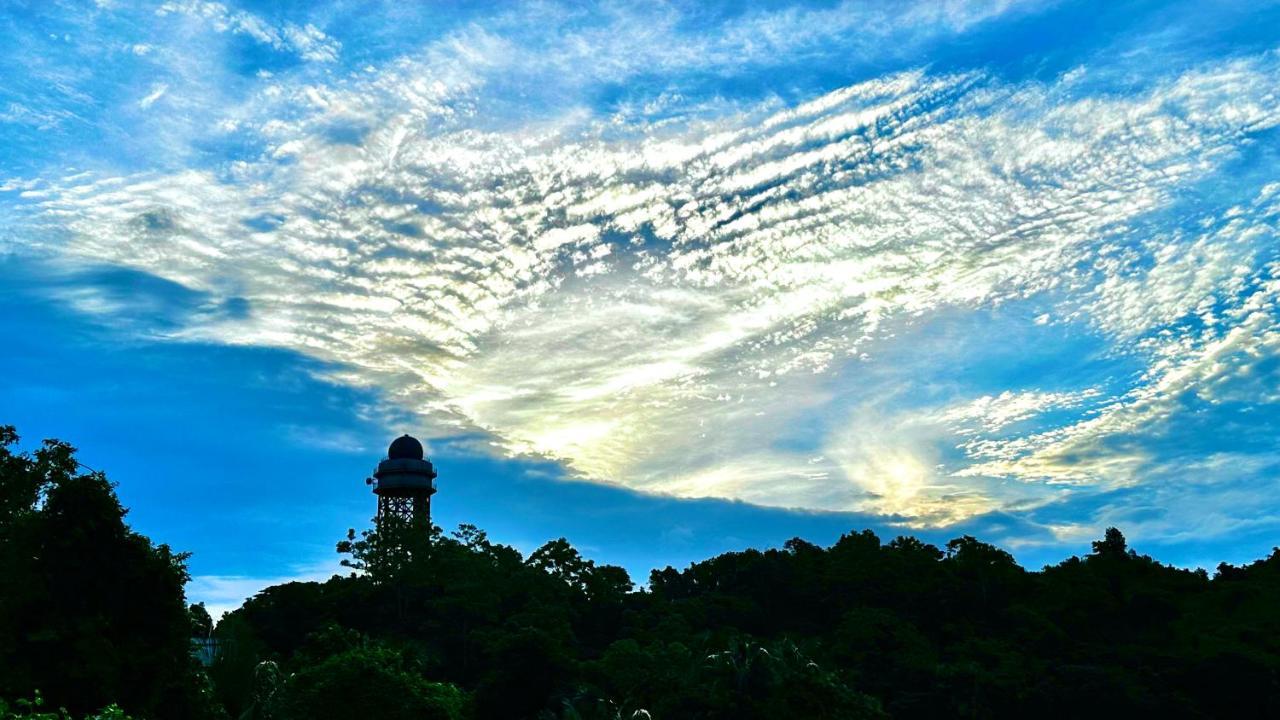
[860, 629]
[456, 626]
[91, 613]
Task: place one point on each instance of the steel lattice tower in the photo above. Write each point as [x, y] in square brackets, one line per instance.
[404, 484]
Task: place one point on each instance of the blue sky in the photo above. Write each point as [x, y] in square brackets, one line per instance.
[668, 279]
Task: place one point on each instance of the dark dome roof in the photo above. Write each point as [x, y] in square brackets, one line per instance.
[405, 447]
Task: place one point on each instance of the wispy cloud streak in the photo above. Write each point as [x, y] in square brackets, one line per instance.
[684, 297]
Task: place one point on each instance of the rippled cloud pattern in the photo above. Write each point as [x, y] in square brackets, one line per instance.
[927, 261]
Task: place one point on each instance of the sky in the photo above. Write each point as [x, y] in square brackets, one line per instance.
[666, 279]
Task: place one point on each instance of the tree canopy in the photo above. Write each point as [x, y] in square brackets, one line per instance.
[456, 626]
[91, 612]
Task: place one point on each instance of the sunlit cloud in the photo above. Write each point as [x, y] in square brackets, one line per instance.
[703, 296]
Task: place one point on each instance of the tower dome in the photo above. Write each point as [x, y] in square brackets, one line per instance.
[405, 447]
[404, 484]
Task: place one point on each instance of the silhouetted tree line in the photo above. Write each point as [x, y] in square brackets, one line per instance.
[93, 618]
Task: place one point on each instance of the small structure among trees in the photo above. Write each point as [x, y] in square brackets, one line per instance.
[404, 483]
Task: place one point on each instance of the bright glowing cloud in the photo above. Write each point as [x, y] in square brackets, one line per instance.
[687, 292]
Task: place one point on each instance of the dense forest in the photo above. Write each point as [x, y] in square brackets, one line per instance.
[94, 624]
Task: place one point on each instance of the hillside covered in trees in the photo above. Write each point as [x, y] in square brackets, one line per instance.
[93, 618]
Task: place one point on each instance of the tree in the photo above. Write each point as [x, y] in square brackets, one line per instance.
[36, 709]
[91, 612]
[560, 560]
[369, 681]
[201, 622]
[390, 550]
[750, 680]
[1111, 545]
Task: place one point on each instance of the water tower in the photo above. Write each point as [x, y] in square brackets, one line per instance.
[404, 483]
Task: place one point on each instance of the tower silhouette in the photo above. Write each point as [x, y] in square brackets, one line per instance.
[404, 484]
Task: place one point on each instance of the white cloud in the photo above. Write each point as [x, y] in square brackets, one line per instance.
[1235, 305]
[307, 41]
[223, 593]
[662, 304]
[157, 91]
[992, 413]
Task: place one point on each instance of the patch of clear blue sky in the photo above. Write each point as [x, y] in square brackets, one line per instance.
[246, 457]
